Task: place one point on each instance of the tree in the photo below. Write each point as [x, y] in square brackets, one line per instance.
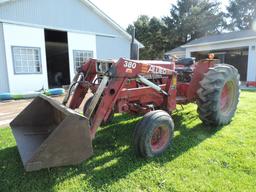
[149, 33]
[242, 14]
[191, 19]
[188, 20]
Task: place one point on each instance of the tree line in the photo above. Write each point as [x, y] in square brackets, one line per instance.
[189, 20]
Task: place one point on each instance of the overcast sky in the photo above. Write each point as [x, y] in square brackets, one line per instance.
[124, 12]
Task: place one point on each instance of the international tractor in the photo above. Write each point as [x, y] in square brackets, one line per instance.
[50, 134]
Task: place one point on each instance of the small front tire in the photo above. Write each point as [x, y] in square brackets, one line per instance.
[153, 134]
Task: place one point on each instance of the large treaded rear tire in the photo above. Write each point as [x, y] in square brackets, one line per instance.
[218, 95]
[153, 134]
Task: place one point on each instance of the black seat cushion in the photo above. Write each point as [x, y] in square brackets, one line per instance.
[185, 61]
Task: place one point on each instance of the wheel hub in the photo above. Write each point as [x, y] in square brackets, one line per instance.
[159, 138]
[226, 98]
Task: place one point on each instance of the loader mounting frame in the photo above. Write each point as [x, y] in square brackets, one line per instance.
[129, 86]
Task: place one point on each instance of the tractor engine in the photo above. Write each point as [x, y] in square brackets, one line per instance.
[184, 68]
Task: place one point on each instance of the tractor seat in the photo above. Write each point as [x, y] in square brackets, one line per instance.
[186, 62]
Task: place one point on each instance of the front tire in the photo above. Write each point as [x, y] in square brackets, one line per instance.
[218, 95]
[153, 134]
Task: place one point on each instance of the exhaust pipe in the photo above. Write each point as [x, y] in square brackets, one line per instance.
[134, 53]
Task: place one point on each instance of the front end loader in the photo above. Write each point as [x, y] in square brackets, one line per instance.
[50, 134]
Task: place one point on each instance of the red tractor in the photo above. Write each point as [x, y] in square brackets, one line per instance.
[59, 136]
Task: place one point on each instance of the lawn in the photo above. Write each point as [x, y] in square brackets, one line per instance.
[199, 159]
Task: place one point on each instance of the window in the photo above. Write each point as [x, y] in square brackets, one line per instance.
[80, 57]
[26, 60]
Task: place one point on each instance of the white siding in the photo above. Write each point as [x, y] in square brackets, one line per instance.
[112, 48]
[69, 15]
[28, 37]
[228, 45]
[65, 15]
[251, 73]
[78, 41]
[4, 86]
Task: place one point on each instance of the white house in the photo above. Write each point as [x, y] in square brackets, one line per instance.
[42, 42]
[235, 48]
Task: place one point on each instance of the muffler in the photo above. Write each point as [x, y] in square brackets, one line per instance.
[49, 134]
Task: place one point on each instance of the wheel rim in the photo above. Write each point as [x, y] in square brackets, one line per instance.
[227, 97]
[160, 138]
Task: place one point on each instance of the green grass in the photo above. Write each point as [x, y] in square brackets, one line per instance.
[199, 160]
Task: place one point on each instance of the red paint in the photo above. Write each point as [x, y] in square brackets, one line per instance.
[224, 99]
[124, 94]
[201, 68]
[251, 84]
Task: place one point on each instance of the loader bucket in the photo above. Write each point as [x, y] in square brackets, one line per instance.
[49, 134]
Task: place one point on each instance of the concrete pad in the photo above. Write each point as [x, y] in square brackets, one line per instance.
[10, 109]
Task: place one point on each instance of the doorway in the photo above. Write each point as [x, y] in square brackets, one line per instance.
[57, 58]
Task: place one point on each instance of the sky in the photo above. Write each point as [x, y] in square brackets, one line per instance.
[125, 12]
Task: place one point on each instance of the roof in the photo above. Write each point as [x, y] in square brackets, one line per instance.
[177, 49]
[110, 21]
[103, 16]
[232, 36]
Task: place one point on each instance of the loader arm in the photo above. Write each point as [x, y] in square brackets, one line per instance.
[88, 71]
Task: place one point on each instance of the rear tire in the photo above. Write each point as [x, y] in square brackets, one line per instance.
[218, 95]
[153, 134]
